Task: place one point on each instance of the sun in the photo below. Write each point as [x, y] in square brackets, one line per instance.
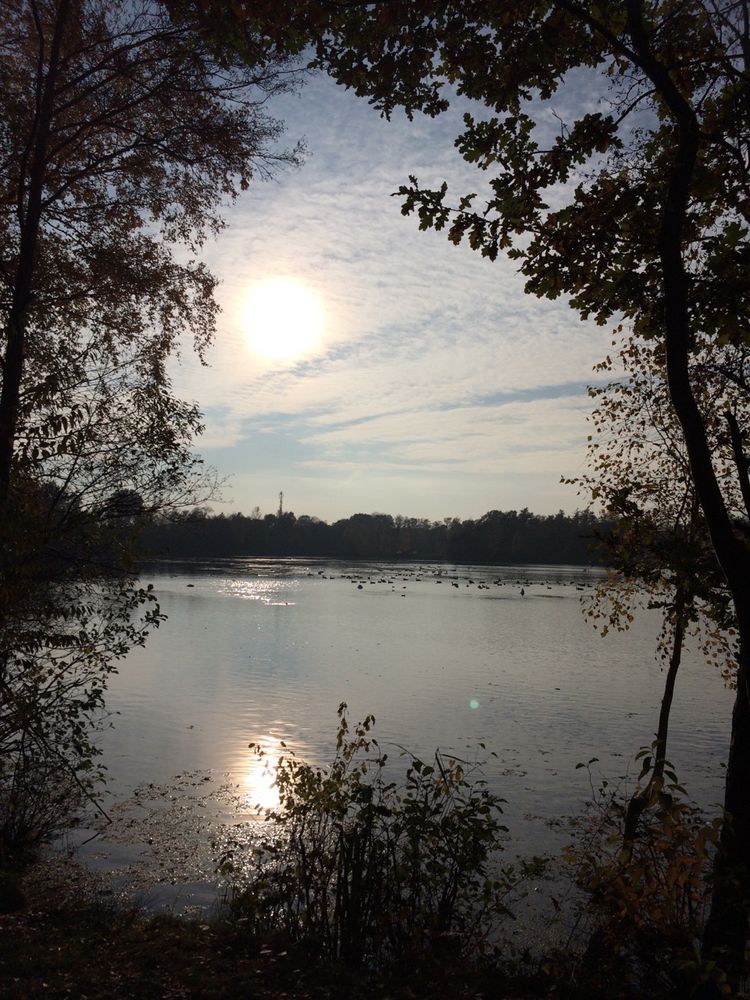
[283, 319]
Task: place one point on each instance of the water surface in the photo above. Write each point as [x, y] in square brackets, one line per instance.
[264, 651]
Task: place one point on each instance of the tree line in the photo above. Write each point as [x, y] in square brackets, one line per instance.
[496, 537]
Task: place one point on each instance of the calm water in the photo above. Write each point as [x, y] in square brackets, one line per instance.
[264, 651]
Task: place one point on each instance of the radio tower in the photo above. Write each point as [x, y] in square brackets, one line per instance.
[281, 504]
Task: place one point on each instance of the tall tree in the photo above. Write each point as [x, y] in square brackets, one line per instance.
[658, 550]
[122, 134]
[638, 211]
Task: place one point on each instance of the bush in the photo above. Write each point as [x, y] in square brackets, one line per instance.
[367, 870]
[60, 642]
[37, 796]
[643, 901]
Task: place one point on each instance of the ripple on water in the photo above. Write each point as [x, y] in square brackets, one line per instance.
[265, 650]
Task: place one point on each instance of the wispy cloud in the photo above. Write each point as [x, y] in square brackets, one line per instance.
[436, 374]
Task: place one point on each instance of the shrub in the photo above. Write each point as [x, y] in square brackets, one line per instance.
[368, 870]
[643, 901]
[60, 641]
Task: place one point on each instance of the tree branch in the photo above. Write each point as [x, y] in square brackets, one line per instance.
[740, 459]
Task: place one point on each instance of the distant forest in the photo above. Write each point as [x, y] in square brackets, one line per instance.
[497, 537]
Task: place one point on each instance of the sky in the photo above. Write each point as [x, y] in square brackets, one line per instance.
[435, 387]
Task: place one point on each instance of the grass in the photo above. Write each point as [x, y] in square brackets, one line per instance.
[91, 950]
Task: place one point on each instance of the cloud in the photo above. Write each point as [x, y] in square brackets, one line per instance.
[435, 363]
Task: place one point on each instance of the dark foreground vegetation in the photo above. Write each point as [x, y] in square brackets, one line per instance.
[496, 537]
[371, 880]
[88, 951]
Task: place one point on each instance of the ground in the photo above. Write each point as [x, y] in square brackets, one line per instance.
[67, 943]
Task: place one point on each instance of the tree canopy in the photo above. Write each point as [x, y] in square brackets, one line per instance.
[121, 139]
[496, 537]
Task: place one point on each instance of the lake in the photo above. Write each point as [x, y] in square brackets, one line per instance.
[444, 656]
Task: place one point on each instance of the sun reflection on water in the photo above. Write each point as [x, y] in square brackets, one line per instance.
[259, 774]
[270, 592]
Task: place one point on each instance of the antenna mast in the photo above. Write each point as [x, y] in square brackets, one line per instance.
[281, 504]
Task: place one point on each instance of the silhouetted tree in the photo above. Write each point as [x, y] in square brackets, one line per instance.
[639, 473]
[121, 134]
[493, 538]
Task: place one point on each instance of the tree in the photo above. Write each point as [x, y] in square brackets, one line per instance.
[638, 212]
[122, 133]
[121, 136]
[659, 549]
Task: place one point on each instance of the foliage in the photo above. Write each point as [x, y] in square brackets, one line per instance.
[366, 870]
[660, 550]
[639, 473]
[113, 177]
[53, 686]
[496, 537]
[574, 196]
[643, 908]
[121, 136]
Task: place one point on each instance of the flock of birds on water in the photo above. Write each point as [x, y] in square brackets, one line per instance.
[394, 578]
[398, 576]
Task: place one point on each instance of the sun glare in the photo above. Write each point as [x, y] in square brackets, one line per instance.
[284, 320]
[259, 779]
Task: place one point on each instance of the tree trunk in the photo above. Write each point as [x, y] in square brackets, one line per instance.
[30, 213]
[726, 932]
[727, 928]
[641, 800]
